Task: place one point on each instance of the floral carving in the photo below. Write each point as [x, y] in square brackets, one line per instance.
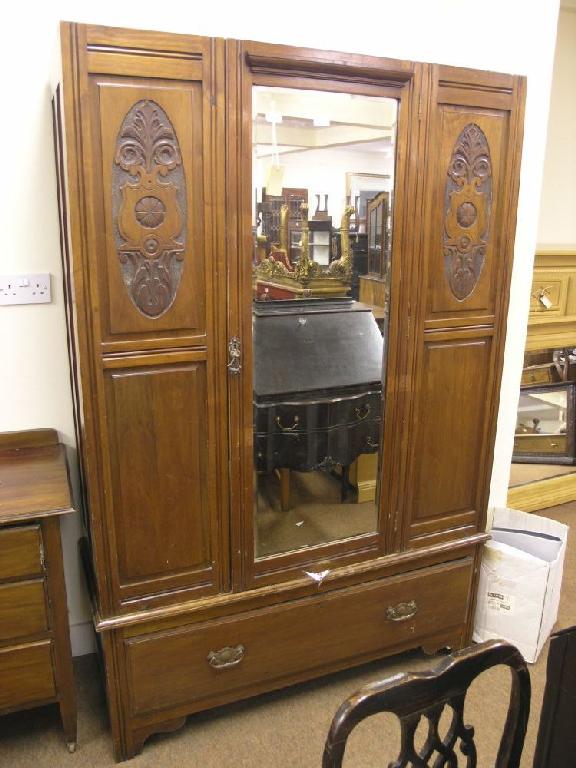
[149, 208]
[468, 201]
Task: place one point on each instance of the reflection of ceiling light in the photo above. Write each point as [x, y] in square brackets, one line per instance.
[321, 122]
[273, 117]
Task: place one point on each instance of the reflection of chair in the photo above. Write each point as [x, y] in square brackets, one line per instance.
[412, 695]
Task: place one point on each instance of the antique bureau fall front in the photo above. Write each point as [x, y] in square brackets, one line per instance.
[206, 588]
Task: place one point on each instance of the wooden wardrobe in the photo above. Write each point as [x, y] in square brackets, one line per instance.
[153, 135]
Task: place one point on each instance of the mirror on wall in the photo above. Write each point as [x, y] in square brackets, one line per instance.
[322, 213]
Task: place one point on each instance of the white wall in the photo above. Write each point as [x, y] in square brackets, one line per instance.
[557, 225]
[512, 36]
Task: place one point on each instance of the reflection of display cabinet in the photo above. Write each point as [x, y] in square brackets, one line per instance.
[269, 211]
[377, 217]
[546, 425]
[156, 224]
[320, 241]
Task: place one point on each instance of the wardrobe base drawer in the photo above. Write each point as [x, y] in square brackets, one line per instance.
[26, 675]
[276, 646]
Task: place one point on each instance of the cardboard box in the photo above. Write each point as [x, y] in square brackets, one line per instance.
[520, 580]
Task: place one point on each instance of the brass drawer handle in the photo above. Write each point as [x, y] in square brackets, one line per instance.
[362, 412]
[402, 611]
[288, 429]
[226, 657]
[553, 445]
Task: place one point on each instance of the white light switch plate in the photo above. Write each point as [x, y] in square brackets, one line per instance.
[25, 289]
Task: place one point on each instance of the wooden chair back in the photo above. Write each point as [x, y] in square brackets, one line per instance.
[411, 696]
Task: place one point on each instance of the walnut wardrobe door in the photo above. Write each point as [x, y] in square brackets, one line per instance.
[473, 124]
[151, 132]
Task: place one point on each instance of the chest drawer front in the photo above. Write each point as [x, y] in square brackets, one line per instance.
[553, 444]
[22, 610]
[20, 552]
[26, 675]
[231, 655]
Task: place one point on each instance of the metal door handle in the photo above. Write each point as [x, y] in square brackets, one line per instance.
[235, 355]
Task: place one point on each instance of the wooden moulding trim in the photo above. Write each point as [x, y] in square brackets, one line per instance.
[543, 494]
[332, 65]
[155, 357]
[388, 566]
[30, 438]
[118, 49]
[20, 517]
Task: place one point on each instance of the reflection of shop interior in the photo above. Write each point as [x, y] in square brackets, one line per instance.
[543, 471]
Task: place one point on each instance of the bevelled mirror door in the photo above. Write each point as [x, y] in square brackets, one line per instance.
[322, 218]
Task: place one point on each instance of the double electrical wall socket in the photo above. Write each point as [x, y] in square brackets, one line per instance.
[25, 289]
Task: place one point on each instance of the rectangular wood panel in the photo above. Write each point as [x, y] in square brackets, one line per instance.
[151, 177]
[450, 443]
[164, 517]
[470, 166]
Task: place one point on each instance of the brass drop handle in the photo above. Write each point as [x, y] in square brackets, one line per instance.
[553, 445]
[288, 429]
[402, 611]
[226, 657]
[362, 412]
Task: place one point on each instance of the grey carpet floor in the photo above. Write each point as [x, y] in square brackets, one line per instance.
[285, 729]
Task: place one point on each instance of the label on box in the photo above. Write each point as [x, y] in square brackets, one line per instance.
[500, 602]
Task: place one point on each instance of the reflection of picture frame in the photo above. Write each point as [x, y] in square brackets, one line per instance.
[362, 187]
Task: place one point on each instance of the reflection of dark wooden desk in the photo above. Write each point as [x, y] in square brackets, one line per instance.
[317, 384]
[35, 657]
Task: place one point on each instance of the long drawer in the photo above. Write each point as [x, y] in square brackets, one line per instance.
[204, 661]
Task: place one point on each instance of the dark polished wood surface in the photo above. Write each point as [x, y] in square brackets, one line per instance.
[556, 743]
[35, 655]
[33, 476]
[166, 432]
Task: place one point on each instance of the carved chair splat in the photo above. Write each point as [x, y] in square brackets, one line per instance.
[411, 696]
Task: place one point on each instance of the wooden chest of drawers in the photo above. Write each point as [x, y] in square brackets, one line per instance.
[35, 656]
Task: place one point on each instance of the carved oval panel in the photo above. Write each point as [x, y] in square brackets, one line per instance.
[467, 201]
[149, 208]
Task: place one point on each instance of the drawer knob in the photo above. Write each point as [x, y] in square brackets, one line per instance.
[402, 611]
[226, 657]
[288, 429]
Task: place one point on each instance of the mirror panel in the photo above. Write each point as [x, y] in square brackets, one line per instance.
[323, 181]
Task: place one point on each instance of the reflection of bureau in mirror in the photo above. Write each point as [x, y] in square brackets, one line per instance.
[318, 365]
